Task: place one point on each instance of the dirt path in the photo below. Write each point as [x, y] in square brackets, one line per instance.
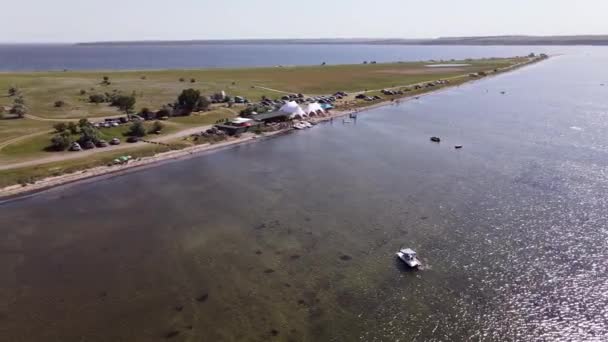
[23, 137]
[92, 119]
[75, 155]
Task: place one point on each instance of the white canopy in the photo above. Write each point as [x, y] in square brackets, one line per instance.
[313, 108]
[293, 109]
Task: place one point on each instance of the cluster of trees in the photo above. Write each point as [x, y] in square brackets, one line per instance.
[66, 132]
[257, 108]
[190, 100]
[125, 103]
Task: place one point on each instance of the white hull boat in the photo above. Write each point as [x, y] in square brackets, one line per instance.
[408, 256]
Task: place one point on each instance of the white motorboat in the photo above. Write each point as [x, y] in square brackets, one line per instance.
[408, 256]
[299, 125]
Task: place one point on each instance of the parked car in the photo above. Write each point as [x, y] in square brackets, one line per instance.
[75, 147]
[360, 96]
[123, 120]
[115, 141]
[114, 124]
[133, 139]
[88, 145]
[102, 143]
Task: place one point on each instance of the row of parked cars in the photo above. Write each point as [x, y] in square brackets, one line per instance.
[368, 98]
[87, 145]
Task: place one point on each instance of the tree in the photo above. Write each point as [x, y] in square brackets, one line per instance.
[84, 122]
[137, 129]
[19, 100]
[73, 128]
[157, 127]
[89, 133]
[59, 103]
[188, 100]
[192, 80]
[19, 109]
[12, 91]
[61, 141]
[124, 103]
[60, 127]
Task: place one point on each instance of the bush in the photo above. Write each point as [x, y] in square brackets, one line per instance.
[60, 127]
[137, 129]
[165, 111]
[97, 98]
[59, 104]
[147, 114]
[61, 141]
[203, 103]
[192, 80]
[182, 79]
[157, 127]
[83, 92]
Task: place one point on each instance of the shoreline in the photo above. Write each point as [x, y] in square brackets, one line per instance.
[18, 191]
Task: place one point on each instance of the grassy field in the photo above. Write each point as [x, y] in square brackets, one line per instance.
[155, 88]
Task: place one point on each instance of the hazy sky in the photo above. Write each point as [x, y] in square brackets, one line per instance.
[90, 20]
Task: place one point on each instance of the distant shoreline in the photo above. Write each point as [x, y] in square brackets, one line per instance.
[586, 40]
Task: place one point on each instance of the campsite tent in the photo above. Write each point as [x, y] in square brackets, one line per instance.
[293, 109]
[313, 108]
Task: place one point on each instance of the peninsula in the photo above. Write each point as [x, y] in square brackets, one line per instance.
[124, 119]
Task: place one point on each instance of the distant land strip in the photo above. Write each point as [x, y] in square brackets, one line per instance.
[489, 40]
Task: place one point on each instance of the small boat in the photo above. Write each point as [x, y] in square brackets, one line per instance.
[408, 256]
[299, 125]
[458, 147]
[352, 116]
[435, 139]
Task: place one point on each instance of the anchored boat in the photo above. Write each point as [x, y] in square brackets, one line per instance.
[408, 256]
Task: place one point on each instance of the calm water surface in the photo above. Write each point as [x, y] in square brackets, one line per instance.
[293, 238]
[74, 57]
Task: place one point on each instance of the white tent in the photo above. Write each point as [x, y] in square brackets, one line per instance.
[293, 109]
[313, 108]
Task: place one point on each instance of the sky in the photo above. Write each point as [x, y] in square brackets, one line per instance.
[27, 21]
